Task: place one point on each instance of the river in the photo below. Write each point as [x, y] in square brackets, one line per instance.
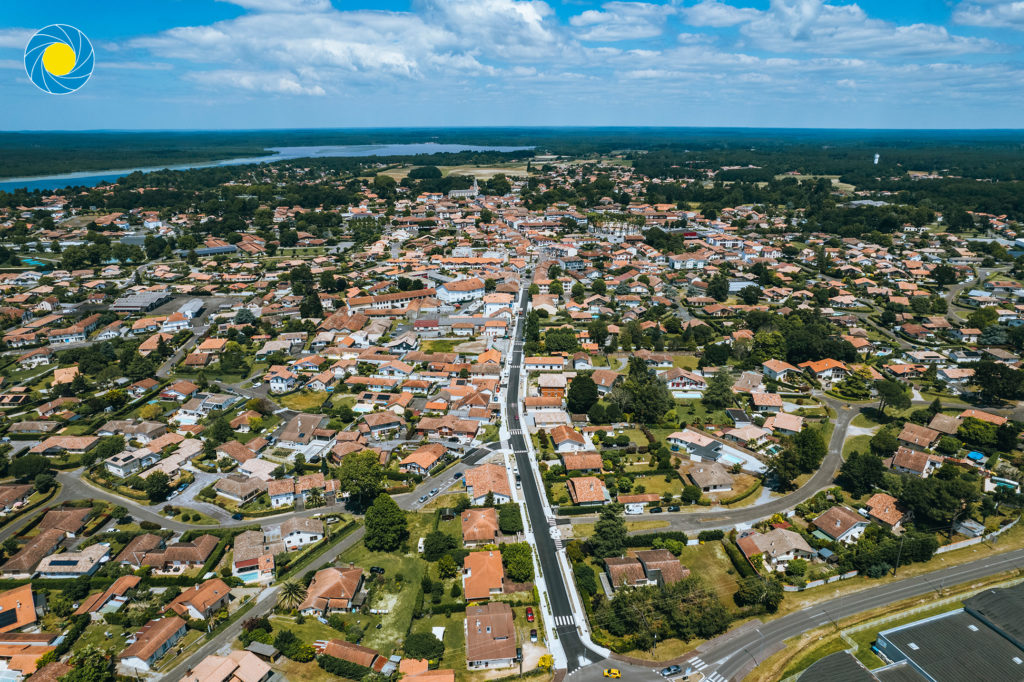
[93, 178]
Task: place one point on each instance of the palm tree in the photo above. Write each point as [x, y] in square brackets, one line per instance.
[292, 594]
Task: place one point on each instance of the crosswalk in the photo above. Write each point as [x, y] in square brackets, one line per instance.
[517, 432]
[564, 621]
[697, 665]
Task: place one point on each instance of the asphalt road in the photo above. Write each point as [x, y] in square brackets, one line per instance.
[577, 653]
[734, 657]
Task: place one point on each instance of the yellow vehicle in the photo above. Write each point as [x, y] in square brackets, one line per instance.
[612, 673]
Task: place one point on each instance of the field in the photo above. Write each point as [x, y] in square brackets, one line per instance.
[303, 401]
[585, 530]
[859, 443]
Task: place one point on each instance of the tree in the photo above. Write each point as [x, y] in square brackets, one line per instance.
[44, 482]
[598, 332]
[860, 473]
[157, 486]
[509, 519]
[518, 560]
[750, 294]
[998, 382]
[596, 414]
[983, 317]
[758, 591]
[292, 594]
[785, 467]
[447, 568]
[547, 661]
[856, 385]
[220, 430]
[582, 394]
[436, 544]
[719, 393]
[599, 287]
[643, 393]
[386, 525]
[718, 287]
[27, 467]
[810, 448]
[423, 645]
[90, 665]
[361, 475]
[609, 537]
[883, 443]
[892, 393]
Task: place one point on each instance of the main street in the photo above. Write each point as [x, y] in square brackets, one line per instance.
[576, 652]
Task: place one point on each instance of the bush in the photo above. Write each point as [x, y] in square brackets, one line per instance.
[878, 570]
[342, 668]
[739, 561]
[647, 539]
[423, 645]
[149, 525]
[708, 535]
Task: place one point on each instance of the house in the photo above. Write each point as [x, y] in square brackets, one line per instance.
[483, 575]
[567, 439]
[490, 636]
[333, 590]
[148, 550]
[20, 607]
[199, 602]
[70, 565]
[152, 641]
[281, 379]
[710, 477]
[380, 424]
[281, 492]
[358, 654]
[605, 379]
[107, 600]
[487, 479]
[253, 556]
[681, 380]
[239, 488]
[300, 532]
[778, 370]
[625, 572]
[58, 445]
[25, 560]
[448, 426]
[661, 566]
[784, 424]
[180, 391]
[766, 402]
[907, 461]
[479, 526]
[423, 459]
[841, 524]
[236, 666]
[918, 437]
[776, 548]
[124, 464]
[460, 291]
[14, 496]
[587, 490]
[552, 385]
[300, 430]
[582, 461]
[882, 509]
[68, 520]
[827, 371]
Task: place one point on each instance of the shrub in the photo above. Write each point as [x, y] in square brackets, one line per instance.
[708, 535]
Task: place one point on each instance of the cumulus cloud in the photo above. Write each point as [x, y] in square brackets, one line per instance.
[990, 14]
[816, 27]
[15, 37]
[621, 21]
[283, 5]
[282, 82]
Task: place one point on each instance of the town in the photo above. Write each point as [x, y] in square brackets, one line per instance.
[448, 420]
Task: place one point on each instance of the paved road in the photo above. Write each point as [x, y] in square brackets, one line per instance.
[576, 652]
[732, 658]
[730, 518]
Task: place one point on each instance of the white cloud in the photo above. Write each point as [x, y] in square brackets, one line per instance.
[278, 83]
[15, 37]
[990, 14]
[815, 27]
[622, 21]
[511, 29]
[283, 5]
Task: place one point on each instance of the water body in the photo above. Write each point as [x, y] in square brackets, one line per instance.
[91, 179]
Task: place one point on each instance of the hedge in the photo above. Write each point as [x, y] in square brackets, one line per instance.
[342, 668]
[304, 561]
[568, 510]
[708, 535]
[647, 539]
[744, 495]
[739, 561]
[78, 625]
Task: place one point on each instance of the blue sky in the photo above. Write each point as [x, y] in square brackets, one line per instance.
[222, 64]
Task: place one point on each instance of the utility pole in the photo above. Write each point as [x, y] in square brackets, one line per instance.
[903, 537]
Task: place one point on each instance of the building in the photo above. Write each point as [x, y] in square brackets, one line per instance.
[237, 666]
[300, 532]
[239, 488]
[487, 479]
[490, 636]
[423, 459]
[199, 602]
[334, 590]
[982, 641]
[710, 477]
[19, 607]
[483, 575]
[587, 490]
[841, 524]
[776, 548]
[479, 526]
[883, 510]
[149, 550]
[109, 600]
[25, 560]
[253, 556]
[152, 641]
[70, 565]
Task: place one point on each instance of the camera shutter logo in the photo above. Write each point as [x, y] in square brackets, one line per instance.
[59, 59]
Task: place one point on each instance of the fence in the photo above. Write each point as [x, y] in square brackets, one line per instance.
[818, 583]
[978, 540]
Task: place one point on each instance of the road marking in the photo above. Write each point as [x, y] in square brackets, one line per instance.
[697, 664]
[564, 621]
[714, 677]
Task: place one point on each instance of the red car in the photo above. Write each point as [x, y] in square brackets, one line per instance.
[529, 614]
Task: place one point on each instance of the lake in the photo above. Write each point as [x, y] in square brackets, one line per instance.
[93, 178]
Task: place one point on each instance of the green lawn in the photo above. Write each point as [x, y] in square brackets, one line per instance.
[710, 562]
[636, 435]
[864, 421]
[657, 484]
[859, 443]
[441, 345]
[454, 637]
[694, 411]
[96, 635]
[490, 433]
[310, 631]
[303, 401]
[685, 361]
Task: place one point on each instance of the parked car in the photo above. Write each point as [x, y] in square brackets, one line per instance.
[458, 474]
[377, 570]
[529, 614]
[671, 670]
[423, 498]
[612, 673]
[237, 517]
[674, 507]
[656, 510]
[533, 634]
[434, 492]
